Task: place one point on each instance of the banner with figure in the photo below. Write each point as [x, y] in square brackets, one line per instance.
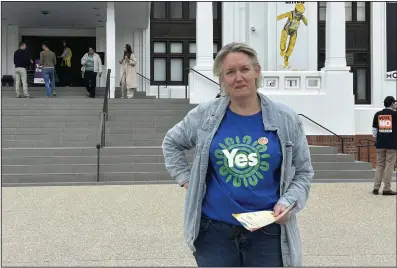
[292, 36]
[38, 75]
[391, 41]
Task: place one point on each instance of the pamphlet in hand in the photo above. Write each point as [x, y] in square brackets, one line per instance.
[258, 219]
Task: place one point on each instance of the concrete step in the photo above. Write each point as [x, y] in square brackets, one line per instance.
[86, 151]
[47, 144]
[152, 177]
[138, 150]
[331, 157]
[85, 160]
[323, 150]
[114, 112]
[341, 165]
[89, 156]
[154, 166]
[110, 130]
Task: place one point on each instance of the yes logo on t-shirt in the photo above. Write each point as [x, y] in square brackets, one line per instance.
[242, 160]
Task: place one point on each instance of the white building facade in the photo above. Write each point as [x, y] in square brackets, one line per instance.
[329, 80]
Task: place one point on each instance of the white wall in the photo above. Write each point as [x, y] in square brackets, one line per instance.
[9, 43]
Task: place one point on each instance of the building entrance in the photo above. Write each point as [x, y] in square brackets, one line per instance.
[78, 45]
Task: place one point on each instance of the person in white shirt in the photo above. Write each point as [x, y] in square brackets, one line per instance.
[92, 65]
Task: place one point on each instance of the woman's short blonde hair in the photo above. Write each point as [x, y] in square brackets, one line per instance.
[235, 47]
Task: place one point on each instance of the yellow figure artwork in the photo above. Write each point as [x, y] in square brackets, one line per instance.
[291, 29]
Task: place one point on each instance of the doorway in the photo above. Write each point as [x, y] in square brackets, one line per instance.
[78, 45]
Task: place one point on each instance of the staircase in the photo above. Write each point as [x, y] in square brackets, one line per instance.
[52, 141]
[69, 92]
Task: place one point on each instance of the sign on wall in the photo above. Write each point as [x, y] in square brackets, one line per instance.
[292, 36]
[391, 41]
[38, 74]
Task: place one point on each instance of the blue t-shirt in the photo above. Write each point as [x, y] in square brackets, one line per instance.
[244, 168]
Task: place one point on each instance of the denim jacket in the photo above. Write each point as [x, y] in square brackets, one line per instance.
[198, 128]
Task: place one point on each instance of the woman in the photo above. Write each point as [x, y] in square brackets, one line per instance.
[92, 65]
[128, 81]
[251, 155]
[66, 64]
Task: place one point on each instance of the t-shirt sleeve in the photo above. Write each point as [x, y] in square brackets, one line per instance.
[375, 121]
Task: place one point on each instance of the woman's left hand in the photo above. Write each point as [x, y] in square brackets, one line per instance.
[278, 209]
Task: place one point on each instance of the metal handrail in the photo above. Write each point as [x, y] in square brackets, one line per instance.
[143, 77]
[101, 141]
[102, 122]
[209, 79]
[338, 136]
[150, 81]
[143, 81]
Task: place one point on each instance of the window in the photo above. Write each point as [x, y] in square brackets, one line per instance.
[172, 39]
[354, 11]
[322, 11]
[159, 69]
[361, 84]
[361, 11]
[175, 10]
[348, 11]
[158, 10]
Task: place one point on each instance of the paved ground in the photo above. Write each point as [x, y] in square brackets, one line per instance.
[141, 225]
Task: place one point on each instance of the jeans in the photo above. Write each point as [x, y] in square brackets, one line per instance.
[221, 244]
[49, 80]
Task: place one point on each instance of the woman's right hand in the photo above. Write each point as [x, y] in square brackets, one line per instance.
[186, 185]
[121, 61]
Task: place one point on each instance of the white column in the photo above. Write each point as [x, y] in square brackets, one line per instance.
[101, 47]
[242, 25]
[335, 37]
[337, 80]
[204, 34]
[111, 46]
[272, 51]
[4, 58]
[235, 22]
[202, 89]
[12, 45]
[312, 33]
[378, 52]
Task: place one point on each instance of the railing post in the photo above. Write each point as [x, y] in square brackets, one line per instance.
[98, 147]
[359, 154]
[368, 152]
[158, 91]
[343, 146]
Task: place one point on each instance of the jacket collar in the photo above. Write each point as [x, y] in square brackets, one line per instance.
[268, 111]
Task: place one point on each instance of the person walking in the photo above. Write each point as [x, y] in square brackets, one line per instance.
[21, 61]
[92, 65]
[66, 65]
[48, 60]
[384, 128]
[251, 155]
[128, 82]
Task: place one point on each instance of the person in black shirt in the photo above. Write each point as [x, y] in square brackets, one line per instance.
[384, 128]
[21, 61]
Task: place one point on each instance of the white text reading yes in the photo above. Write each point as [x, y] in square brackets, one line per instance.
[240, 160]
